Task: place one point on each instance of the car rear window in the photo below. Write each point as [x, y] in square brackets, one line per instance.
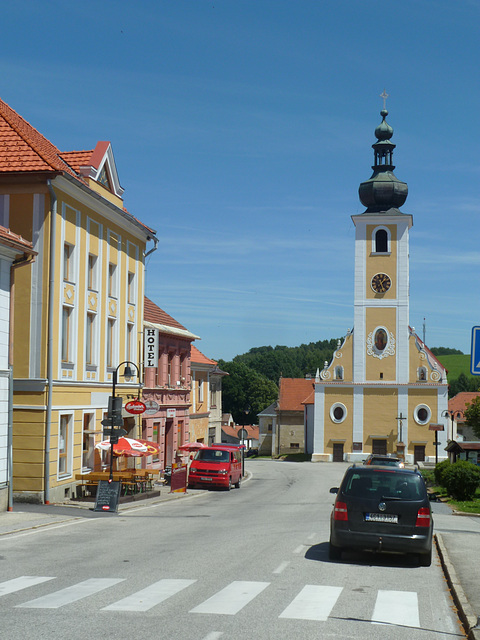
[379, 484]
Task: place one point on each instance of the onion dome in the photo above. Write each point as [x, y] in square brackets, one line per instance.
[383, 191]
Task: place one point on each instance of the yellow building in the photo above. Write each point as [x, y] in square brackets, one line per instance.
[80, 304]
[384, 391]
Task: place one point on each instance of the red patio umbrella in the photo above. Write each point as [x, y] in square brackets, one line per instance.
[152, 447]
[124, 447]
[192, 446]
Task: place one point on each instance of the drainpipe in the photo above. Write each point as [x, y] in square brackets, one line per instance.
[51, 302]
[20, 262]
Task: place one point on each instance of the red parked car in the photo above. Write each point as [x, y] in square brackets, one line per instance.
[216, 466]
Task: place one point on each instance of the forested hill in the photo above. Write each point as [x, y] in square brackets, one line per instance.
[289, 362]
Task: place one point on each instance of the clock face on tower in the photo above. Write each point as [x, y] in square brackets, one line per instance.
[381, 283]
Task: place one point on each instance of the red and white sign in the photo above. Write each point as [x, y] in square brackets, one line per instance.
[171, 413]
[135, 406]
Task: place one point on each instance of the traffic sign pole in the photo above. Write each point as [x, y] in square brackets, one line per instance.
[475, 352]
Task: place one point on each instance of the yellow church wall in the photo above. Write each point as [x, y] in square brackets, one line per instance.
[335, 431]
[382, 264]
[417, 433]
[343, 357]
[381, 317]
[383, 404]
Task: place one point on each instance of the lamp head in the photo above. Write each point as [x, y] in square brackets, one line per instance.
[128, 374]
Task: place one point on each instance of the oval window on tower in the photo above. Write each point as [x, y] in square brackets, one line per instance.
[381, 241]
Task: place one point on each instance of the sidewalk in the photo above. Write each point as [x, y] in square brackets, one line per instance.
[26, 516]
[458, 544]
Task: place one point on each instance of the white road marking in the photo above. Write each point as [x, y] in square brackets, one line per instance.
[17, 584]
[312, 536]
[232, 599]
[214, 635]
[396, 607]
[282, 566]
[147, 598]
[71, 594]
[314, 602]
[300, 549]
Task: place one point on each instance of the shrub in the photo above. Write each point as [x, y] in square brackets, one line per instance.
[440, 470]
[461, 480]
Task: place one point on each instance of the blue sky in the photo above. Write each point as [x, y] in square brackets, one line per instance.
[241, 131]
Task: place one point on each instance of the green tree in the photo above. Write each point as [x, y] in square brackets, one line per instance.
[472, 416]
[462, 383]
[445, 351]
[244, 389]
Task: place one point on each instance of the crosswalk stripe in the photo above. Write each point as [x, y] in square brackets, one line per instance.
[397, 607]
[17, 584]
[71, 594]
[314, 602]
[147, 598]
[232, 599]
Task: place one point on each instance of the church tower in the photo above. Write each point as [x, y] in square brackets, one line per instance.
[384, 391]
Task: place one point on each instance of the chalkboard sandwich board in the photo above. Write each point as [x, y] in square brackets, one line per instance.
[108, 494]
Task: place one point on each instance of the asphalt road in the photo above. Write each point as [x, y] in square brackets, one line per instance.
[251, 563]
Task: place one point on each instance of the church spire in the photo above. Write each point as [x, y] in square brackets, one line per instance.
[383, 191]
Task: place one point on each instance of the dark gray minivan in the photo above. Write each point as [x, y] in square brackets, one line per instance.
[382, 509]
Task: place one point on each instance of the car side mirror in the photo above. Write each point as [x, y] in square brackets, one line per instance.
[334, 490]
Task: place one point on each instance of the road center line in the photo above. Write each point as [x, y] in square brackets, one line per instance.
[282, 566]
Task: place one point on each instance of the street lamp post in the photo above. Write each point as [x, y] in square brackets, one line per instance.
[451, 414]
[114, 416]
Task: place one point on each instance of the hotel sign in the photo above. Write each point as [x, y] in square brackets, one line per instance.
[151, 347]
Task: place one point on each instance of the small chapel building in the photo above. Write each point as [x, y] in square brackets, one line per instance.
[384, 391]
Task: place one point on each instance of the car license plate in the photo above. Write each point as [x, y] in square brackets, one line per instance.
[204, 478]
[381, 517]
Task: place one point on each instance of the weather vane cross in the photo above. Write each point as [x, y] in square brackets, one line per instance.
[384, 95]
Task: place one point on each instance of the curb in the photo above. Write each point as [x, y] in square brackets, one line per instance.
[465, 611]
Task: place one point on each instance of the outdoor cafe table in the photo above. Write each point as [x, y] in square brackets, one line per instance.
[131, 479]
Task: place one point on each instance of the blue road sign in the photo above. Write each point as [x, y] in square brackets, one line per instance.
[475, 357]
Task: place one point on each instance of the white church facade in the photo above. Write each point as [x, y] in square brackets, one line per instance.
[384, 391]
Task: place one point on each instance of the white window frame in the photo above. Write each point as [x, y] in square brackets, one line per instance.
[65, 452]
[429, 414]
[389, 240]
[92, 272]
[338, 405]
[90, 334]
[67, 331]
[110, 353]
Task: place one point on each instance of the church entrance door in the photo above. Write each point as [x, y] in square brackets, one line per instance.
[338, 452]
[418, 453]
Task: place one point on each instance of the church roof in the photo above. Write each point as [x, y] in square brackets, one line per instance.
[383, 192]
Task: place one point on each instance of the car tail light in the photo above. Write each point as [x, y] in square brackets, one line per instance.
[340, 511]
[423, 517]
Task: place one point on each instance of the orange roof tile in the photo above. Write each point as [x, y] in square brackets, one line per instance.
[77, 159]
[14, 240]
[459, 402]
[252, 430]
[153, 313]
[23, 148]
[293, 392]
[197, 356]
